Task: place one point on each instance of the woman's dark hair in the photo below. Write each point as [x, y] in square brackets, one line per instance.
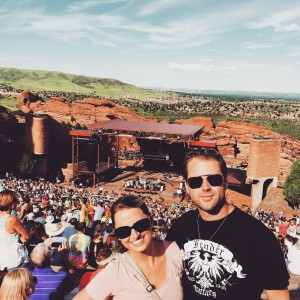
[130, 201]
[26, 198]
[37, 231]
[105, 252]
[73, 221]
[205, 153]
[80, 226]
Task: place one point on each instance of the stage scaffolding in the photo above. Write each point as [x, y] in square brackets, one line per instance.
[187, 134]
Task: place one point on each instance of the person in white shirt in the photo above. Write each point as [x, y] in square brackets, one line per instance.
[99, 211]
[294, 259]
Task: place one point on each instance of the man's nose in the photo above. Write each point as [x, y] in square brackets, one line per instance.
[205, 185]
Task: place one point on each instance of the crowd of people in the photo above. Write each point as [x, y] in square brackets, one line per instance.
[56, 241]
[144, 185]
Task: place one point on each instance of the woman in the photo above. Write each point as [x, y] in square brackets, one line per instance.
[94, 247]
[11, 229]
[37, 235]
[26, 207]
[160, 262]
[84, 212]
[17, 284]
[78, 247]
[102, 256]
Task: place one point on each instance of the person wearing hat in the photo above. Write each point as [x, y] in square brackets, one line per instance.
[49, 219]
[54, 231]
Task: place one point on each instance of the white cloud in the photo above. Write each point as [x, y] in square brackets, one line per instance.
[87, 4]
[79, 6]
[157, 5]
[281, 21]
[253, 45]
[289, 28]
[211, 67]
[200, 67]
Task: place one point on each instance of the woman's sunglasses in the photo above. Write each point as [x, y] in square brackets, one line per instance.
[140, 226]
[213, 180]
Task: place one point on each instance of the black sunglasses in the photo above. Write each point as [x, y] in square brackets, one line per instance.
[125, 231]
[213, 180]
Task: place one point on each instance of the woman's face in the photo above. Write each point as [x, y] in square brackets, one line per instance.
[137, 241]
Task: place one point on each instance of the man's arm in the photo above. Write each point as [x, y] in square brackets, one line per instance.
[278, 294]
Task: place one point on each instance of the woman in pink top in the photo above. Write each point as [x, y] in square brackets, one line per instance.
[159, 261]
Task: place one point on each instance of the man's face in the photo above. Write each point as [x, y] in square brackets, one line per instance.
[207, 196]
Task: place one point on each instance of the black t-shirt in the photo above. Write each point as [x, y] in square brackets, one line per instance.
[241, 260]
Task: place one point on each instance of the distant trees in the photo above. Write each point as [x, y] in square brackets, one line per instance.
[291, 188]
[27, 164]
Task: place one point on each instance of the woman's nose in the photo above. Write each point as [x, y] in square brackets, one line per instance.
[134, 233]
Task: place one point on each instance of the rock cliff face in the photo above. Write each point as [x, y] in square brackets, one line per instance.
[233, 138]
[27, 101]
[206, 122]
[86, 111]
[8, 125]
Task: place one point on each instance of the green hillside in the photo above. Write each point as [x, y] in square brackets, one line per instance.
[35, 80]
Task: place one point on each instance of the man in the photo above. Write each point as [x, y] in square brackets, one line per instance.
[99, 211]
[227, 254]
[70, 230]
[48, 281]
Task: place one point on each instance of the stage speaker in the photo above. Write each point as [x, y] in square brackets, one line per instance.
[91, 156]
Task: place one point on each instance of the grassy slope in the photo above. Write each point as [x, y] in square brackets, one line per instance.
[35, 80]
[57, 81]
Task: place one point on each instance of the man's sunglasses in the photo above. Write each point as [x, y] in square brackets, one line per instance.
[125, 231]
[213, 180]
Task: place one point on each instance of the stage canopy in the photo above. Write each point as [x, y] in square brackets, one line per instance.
[147, 129]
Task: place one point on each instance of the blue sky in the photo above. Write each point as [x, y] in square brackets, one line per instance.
[193, 44]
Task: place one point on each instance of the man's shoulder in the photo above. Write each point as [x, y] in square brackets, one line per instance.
[187, 216]
[249, 224]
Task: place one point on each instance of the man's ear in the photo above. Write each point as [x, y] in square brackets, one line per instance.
[226, 182]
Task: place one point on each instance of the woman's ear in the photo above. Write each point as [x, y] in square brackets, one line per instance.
[29, 289]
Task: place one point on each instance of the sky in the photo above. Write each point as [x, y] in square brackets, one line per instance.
[229, 45]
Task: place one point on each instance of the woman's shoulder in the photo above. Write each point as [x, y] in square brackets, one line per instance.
[171, 247]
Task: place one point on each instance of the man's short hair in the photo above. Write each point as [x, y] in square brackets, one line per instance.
[205, 153]
[41, 256]
[73, 221]
[64, 218]
[80, 226]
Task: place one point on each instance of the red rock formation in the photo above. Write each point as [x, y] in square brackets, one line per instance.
[196, 121]
[243, 131]
[87, 111]
[233, 138]
[28, 101]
